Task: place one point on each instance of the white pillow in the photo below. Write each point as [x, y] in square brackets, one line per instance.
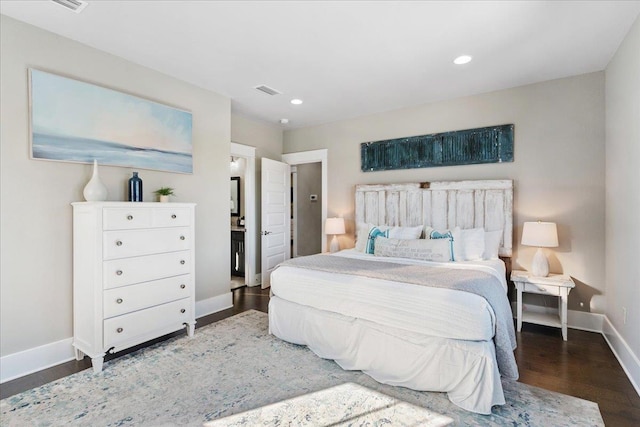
[363, 229]
[492, 240]
[472, 247]
[438, 250]
[468, 244]
[362, 234]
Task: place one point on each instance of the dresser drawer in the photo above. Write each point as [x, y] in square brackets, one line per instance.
[125, 218]
[127, 271]
[128, 243]
[124, 329]
[170, 217]
[125, 299]
[541, 289]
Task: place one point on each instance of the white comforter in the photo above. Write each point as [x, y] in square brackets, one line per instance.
[436, 312]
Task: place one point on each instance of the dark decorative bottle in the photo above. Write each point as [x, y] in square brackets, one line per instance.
[135, 188]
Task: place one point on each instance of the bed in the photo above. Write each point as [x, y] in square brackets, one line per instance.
[429, 326]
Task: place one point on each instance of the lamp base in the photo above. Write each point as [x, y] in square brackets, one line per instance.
[335, 245]
[540, 264]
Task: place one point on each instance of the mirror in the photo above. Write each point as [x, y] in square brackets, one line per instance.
[235, 196]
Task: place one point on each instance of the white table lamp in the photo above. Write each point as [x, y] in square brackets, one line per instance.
[334, 226]
[541, 235]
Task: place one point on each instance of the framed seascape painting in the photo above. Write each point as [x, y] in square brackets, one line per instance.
[74, 121]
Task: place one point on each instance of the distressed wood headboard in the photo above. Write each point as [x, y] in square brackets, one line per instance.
[441, 205]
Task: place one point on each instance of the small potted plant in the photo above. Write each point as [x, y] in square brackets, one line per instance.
[164, 193]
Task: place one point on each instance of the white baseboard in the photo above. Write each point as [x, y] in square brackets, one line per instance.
[258, 281]
[214, 304]
[629, 361]
[26, 362]
[35, 359]
[585, 321]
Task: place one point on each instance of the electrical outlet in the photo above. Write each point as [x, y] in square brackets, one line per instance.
[624, 315]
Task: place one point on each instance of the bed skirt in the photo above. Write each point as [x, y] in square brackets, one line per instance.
[466, 370]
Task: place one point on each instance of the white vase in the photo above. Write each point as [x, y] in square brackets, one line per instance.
[95, 190]
[164, 199]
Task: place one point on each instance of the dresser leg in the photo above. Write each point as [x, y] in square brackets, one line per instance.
[79, 355]
[191, 329]
[96, 362]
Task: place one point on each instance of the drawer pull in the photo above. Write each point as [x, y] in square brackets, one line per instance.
[119, 330]
[182, 261]
[119, 272]
[129, 217]
[182, 237]
[119, 243]
[183, 286]
[182, 310]
[119, 300]
[173, 216]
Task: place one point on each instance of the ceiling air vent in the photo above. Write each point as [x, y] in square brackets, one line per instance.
[74, 5]
[268, 90]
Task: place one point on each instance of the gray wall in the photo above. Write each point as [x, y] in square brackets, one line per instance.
[35, 196]
[623, 189]
[558, 168]
[309, 225]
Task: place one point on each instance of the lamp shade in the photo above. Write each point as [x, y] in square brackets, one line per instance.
[334, 226]
[540, 234]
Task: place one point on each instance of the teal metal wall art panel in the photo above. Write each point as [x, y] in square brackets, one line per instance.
[492, 144]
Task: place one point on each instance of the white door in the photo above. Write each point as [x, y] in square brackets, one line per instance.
[276, 216]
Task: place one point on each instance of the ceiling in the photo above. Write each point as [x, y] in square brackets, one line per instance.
[345, 59]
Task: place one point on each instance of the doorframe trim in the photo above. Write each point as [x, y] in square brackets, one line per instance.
[294, 218]
[250, 220]
[314, 156]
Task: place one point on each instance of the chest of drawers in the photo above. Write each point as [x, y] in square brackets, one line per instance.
[133, 274]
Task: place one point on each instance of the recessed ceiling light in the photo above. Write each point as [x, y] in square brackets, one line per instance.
[296, 101]
[284, 121]
[462, 59]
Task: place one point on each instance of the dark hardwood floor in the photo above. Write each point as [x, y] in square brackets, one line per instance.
[583, 366]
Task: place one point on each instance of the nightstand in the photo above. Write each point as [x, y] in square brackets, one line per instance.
[557, 285]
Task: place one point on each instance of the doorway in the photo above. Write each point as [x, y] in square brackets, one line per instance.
[242, 216]
[297, 160]
[306, 209]
[237, 169]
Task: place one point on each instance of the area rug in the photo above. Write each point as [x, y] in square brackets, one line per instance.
[234, 373]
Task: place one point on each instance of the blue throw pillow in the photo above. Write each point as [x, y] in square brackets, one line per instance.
[371, 240]
[435, 234]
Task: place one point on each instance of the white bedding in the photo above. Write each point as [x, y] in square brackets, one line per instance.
[465, 370]
[436, 312]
